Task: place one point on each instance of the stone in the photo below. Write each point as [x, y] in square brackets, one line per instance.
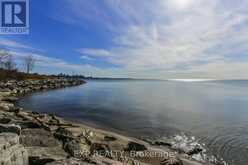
[10, 128]
[28, 124]
[71, 161]
[133, 146]
[73, 148]
[5, 120]
[109, 138]
[194, 150]
[99, 148]
[172, 161]
[43, 155]
[11, 152]
[10, 99]
[6, 106]
[63, 134]
[162, 143]
[38, 137]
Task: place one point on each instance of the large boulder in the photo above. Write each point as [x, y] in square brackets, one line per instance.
[63, 134]
[133, 146]
[13, 128]
[6, 106]
[11, 152]
[43, 155]
[42, 147]
[38, 137]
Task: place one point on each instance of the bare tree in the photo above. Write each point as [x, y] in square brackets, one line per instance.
[3, 57]
[9, 63]
[29, 63]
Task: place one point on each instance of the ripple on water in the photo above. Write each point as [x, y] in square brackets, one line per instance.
[230, 144]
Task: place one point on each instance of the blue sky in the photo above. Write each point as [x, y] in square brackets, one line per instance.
[136, 38]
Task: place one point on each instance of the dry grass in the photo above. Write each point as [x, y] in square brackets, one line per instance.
[13, 74]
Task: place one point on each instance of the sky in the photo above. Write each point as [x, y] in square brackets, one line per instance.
[165, 39]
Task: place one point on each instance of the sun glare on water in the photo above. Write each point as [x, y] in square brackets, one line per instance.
[191, 80]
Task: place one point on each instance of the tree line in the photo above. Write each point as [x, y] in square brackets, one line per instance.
[7, 62]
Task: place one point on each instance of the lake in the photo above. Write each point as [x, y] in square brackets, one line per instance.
[215, 112]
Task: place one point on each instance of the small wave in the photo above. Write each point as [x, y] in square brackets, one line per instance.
[193, 148]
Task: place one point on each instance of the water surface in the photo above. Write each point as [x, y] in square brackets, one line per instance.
[216, 112]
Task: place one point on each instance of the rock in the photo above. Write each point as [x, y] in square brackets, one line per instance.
[7, 140]
[4, 94]
[100, 149]
[88, 134]
[106, 161]
[10, 128]
[40, 161]
[109, 138]
[43, 155]
[133, 146]
[5, 120]
[162, 143]
[28, 124]
[5, 90]
[71, 161]
[63, 134]
[172, 161]
[38, 137]
[11, 152]
[6, 106]
[10, 99]
[195, 150]
[73, 148]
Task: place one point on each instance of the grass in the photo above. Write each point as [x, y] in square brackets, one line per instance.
[15, 75]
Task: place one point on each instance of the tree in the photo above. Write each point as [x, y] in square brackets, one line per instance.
[3, 56]
[9, 63]
[29, 63]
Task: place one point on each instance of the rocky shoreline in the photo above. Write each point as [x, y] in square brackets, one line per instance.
[38, 139]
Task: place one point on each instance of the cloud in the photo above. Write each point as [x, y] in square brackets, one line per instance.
[168, 38]
[86, 58]
[12, 44]
[94, 52]
[48, 65]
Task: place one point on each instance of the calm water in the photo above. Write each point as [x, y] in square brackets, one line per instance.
[214, 112]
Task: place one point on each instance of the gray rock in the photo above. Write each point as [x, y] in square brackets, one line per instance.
[10, 99]
[63, 134]
[5, 120]
[5, 90]
[71, 161]
[43, 155]
[109, 138]
[73, 148]
[99, 148]
[11, 152]
[172, 161]
[38, 137]
[6, 106]
[133, 146]
[10, 128]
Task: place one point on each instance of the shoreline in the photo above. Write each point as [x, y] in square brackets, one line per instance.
[48, 139]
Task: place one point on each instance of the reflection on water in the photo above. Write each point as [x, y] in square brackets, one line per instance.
[214, 111]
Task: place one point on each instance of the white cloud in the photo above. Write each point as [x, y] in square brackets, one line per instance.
[12, 44]
[94, 52]
[169, 38]
[86, 58]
